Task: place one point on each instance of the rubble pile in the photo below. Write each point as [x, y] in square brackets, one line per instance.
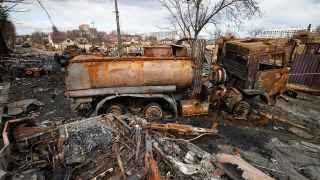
[284, 159]
[296, 115]
[28, 64]
[114, 147]
[4, 96]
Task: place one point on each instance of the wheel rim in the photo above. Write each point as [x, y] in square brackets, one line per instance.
[115, 109]
[241, 110]
[153, 113]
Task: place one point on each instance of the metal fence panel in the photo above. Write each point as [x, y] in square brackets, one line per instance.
[305, 70]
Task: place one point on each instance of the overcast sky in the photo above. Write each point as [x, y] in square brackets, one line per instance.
[141, 16]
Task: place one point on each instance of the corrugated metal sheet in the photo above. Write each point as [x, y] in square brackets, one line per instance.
[306, 70]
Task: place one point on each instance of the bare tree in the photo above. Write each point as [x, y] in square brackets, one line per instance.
[7, 30]
[216, 34]
[191, 16]
[39, 38]
[7, 6]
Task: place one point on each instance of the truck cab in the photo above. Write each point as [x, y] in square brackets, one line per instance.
[258, 66]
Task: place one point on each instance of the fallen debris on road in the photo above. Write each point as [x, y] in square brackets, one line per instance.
[23, 106]
[101, 147]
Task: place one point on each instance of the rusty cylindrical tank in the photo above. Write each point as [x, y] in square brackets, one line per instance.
[88, 72]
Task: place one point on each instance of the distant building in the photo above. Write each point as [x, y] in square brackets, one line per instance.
[93, 32]
[163, 35]
[127, 39]
[167, 41]
[84, 27]
[84, 37]
[281, 33]
[68, 42]
[56, 39]
[22, 39]
[60, 43]
[82, 40]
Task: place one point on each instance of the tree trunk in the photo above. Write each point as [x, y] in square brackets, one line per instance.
[198, 49]
[4, 50]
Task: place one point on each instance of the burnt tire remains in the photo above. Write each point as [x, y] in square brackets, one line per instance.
[241, 110]
[153, 112]
[116, 109]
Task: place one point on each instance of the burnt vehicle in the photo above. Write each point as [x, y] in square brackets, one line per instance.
[163, 83]
[257, 66]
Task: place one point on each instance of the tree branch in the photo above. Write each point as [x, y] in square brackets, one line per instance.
[193, 15]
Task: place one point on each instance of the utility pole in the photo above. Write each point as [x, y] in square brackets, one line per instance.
[118, 28]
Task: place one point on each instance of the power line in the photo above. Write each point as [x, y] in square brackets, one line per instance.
[118, 28]
[47, 12]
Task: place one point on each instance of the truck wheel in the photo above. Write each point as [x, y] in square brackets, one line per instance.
[241, 110]
[153, 112]
[116, 109]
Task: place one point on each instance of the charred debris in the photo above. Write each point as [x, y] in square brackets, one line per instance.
[247, 109]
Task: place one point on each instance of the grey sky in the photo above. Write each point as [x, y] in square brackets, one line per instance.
[140, 16]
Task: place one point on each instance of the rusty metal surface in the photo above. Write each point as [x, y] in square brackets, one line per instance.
[121, 90]
[9, 126]
[267, 49]
[158, 51]
[306, 70]
[306, 64]
[194, 107]
[180, 129]
[86, 72]
[245, 59]
[22, 131]
[93, 58]
[308, 37]
[218, 74]
[304, 89]
[272, 81]
[231, 98]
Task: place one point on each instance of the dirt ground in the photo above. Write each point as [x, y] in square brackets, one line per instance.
[48, 89]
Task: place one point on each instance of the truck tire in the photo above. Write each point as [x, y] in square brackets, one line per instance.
[116, 109]
[153, 112]
[241, 110]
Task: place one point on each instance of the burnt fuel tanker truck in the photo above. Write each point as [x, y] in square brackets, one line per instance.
[162, 84]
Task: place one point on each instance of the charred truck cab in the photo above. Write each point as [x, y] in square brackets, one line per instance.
[157, 85]
[258, 66]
